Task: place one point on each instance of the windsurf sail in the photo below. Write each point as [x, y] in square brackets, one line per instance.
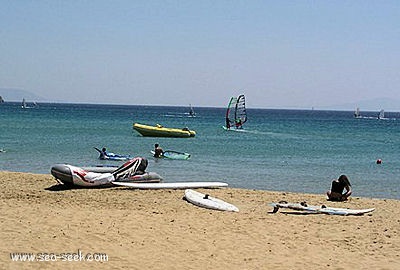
[191, 111]
[357, 113]
[23, 105]
[236, 114]
[381, 114]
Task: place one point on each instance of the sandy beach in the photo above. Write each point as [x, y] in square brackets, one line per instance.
[157, 229]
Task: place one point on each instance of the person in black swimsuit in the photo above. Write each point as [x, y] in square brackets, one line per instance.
[338, 186]
[158, 151]
[103, 153]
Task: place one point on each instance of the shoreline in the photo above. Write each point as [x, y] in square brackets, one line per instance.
[328, 183]
[157, 229]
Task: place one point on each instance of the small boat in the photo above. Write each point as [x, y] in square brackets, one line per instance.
[236, 114]
[160, 131]
[131, 171]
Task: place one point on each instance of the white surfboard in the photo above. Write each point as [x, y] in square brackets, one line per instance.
[175, 185]
[345, 211]
[313, 209]
[209, 202]
[294, 206]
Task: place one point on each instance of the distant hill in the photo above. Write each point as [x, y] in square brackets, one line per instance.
[9, 94]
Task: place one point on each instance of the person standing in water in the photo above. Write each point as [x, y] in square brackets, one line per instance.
[158, 151]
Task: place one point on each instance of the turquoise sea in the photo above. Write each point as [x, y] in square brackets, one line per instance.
[281, 150]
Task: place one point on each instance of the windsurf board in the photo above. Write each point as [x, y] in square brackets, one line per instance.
[206, 201]
[320, 209]
[170, 154]
[172, 185]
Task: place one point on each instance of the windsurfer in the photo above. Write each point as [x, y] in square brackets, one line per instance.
[236, 113]
[158, 151]
[228, 124]
[238, 123]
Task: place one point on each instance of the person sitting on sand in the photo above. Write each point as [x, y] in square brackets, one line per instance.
[158, 151]
[338, 186]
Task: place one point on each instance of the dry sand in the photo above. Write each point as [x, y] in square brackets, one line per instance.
[157, 229]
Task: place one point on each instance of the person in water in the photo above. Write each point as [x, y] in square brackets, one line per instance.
[238, 123]
[103, 153]
[228, 124]
[338, 186]
[158, 151]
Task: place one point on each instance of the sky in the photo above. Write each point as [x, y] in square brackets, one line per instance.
[280, 54]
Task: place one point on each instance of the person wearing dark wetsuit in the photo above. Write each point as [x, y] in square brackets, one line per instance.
[103, 153]
[228, 124]
[338, 186]
[158, 151]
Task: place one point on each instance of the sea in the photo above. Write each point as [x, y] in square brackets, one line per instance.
[278, 150]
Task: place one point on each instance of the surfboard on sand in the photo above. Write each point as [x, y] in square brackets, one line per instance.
[174, 185]
[313, 209]
[206, 201]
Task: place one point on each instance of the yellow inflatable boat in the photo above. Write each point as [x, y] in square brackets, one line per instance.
[160, 131]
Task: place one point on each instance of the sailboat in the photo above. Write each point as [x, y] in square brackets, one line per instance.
[25, 106]
[236, 114]
[381, 115]
[357, 113]
[191, 111]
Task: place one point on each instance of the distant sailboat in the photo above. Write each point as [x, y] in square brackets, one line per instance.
[381, 114]
[25, 106]
[191, 111]
[236, 114]
[357, 113]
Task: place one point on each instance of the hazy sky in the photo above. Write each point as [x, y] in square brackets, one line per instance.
[279, 53]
